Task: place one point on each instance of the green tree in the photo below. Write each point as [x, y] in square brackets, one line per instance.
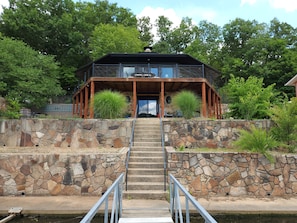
[145, 28]
[248, 99]
[109, 105]
[27, 76]
[207, 44]
[61, 28]
[284, 117]
[187, 102]
[107, 38]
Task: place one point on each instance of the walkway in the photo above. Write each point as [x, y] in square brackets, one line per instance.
[81, 205]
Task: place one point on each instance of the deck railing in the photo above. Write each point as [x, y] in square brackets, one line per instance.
[178, 71]
[175, 203]
[116, 210]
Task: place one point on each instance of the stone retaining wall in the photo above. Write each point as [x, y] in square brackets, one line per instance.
[76, 173]
[234, 174]
[65, 133]
[194, 133]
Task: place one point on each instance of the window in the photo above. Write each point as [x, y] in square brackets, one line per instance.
[128, 71]
[166, 72]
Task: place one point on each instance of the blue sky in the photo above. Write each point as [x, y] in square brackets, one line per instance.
[218, 12]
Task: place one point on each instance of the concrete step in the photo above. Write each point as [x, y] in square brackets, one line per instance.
[146, 148]
[147, 139]
[146, 220]
[145, 186]
[147, 153]
[147, 166]
[148, 131]
[145, 194]
[147, 144]
[145, 178]
[145, 172]
[148, 159]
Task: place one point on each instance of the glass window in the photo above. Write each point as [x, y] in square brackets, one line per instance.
[128, 71]
[155, 71]
[167, 72]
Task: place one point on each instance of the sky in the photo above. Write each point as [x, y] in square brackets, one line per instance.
[219, 12]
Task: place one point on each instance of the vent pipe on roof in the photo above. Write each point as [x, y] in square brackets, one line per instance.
[148, 49]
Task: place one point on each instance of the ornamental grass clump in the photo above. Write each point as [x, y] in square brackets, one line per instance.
[109, 105]
[187, 102]
[257, 140]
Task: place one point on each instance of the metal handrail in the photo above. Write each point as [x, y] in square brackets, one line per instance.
[164, 153]
[116, 212]
[129, 149]
[175, 204]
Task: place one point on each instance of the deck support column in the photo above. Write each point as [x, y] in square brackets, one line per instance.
[86, 108]
[162, 101]
[92, 99]
[204, 112]
[134, 100]
[209, 102]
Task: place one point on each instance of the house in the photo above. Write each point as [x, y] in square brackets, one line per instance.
[148, 80]
[293, 82]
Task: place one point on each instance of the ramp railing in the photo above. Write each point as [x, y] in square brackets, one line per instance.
[176, 208]
[116, 208]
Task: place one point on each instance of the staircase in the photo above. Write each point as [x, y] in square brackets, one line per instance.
[146, 165]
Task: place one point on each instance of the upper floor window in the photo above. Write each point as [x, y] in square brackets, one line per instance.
[166, 72]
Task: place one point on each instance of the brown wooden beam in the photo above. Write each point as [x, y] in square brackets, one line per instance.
[92, 99]
[86, 109]
[204, 112]
[134, 100]
[162, 101]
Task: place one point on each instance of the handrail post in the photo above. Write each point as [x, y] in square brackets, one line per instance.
[129, 149]
[175, 204]
[163, 149]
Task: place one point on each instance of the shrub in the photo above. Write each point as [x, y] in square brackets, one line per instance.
[12, 110]
[109, 104]
[284, 118]
[187, 102]
[257, 140]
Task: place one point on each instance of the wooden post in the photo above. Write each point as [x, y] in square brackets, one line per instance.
[81, 103]
[134, 102]
[204, 112]
[209, 102]
[86, 115]
[162, 101]
[92, 99]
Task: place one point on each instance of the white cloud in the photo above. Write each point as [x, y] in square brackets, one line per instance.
[288, 5]
[154, 13]
[250, 2]
[3, 3]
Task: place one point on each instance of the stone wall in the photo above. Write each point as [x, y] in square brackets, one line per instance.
[76, 133]
[234, 174]
[194, 133]
[80, 172]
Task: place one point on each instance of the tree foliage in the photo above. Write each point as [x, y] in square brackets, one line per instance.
[108, 38]
[249, 99]
[284, 117]
[27, 76]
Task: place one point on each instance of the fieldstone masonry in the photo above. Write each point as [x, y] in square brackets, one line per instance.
[234, 174]
[65, 133]
[74, 173]
[206, 133]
